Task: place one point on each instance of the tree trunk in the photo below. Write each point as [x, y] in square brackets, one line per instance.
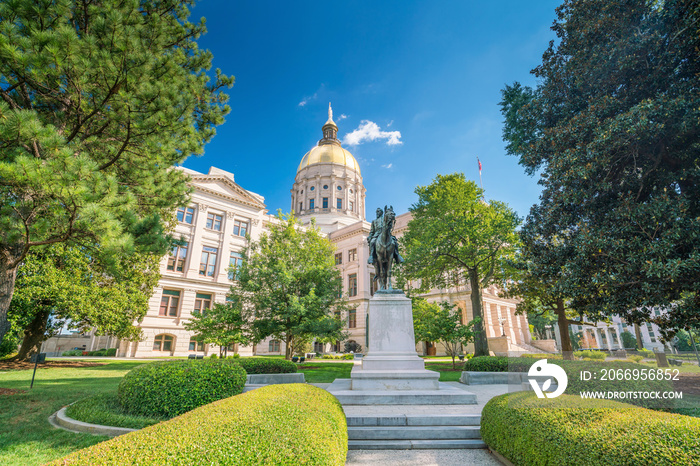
[7, 287]
[34, 335]
[481, 344]
[638, 333]
[288, 348]
[567, 349]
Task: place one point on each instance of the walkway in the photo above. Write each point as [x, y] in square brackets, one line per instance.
[425, 457]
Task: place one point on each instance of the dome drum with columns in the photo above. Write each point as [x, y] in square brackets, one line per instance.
[328, 184]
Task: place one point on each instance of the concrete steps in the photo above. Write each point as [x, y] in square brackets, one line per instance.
[408, 432]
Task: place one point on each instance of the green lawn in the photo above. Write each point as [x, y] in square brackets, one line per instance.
[325, 372]
[26, 437]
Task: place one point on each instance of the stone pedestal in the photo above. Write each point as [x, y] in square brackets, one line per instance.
[392, 373]
[392, 362]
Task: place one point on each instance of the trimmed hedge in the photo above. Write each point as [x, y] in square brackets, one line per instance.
[573, 371]
[568, 430]
[267, 366]
[590, 354]
[287, 424]
[170, 388]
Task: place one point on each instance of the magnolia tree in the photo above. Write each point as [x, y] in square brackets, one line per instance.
[612, 132]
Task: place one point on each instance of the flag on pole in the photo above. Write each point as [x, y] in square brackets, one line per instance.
[481, 183]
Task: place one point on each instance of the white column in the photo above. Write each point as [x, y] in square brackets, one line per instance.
[597, 337]
[608, 336]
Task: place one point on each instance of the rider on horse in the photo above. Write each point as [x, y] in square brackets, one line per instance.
[374, 232]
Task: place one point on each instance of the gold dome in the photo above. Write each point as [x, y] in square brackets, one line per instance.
[329, 153]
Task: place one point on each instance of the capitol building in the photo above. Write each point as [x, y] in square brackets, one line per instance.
[221, 214]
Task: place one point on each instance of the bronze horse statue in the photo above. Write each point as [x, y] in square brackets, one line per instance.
[386, 249]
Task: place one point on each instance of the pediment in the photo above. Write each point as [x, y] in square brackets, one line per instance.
[223, 187]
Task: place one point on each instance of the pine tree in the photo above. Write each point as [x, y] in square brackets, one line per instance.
[98, 101]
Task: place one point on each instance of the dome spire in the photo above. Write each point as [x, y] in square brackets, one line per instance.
[330, 130]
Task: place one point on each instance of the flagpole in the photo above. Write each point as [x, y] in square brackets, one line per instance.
[480, 180]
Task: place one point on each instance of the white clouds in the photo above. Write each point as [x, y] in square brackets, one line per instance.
[342, 117]
[306, 100]
[388, 165]
[370, 131]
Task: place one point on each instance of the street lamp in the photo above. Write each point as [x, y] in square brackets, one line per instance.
[502, 321]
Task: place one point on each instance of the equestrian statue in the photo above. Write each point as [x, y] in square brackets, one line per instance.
[383, 246]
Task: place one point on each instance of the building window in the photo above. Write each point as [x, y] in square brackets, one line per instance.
[352, 318]
[352, 284]
[325, 186]
[301, 206]
[339, 258]
[325, 202]
[340, 188]
[240, 227]
[373, 284]
[169, 303]
[196, 345]
[350, 206]
[185, 214]
[352, 255]
[176, 261]
[163, 342]
[339, 203]
[311, 204]
[312, 188]
[234, 262]
[202, 302]
[207, 265]
[274, 346]
[652, 336]
[214, 221]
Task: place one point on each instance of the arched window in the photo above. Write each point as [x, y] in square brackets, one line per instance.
[163, 342]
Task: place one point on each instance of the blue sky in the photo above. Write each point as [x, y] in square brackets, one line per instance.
[431, 71]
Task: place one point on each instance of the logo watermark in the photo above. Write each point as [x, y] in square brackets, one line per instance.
[542, 369]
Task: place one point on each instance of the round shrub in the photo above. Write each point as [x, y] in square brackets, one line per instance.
[267, 366]
[568, 430]
[170, 388]
[288, 424]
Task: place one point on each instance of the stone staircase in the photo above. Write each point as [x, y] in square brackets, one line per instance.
[526, 348]
[414, 431]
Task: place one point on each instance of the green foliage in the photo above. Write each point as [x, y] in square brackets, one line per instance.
[288, 285]
[628, 340]
[649, 354]
[111, 352]
[214, 356]
[62, 280]
[683, 341]
[267, 366]
[590, 354]
[635, 358]
[9, 344]
[170, 388]
[104, 409]
[222, 325]
[612, 132]
[455, 238]
[568, 430]
[286, 424]
[441, 322]
[75, 352]
[99, 101]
